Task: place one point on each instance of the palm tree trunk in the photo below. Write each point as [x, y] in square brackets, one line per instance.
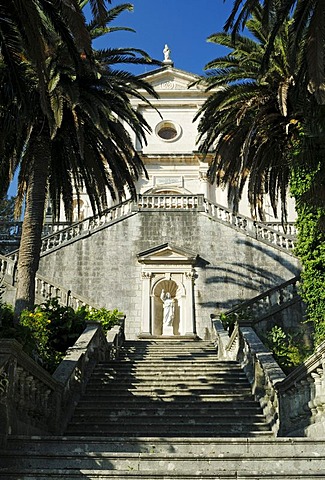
[31, 238]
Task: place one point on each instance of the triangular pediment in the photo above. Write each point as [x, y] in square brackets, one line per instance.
[167, 254]
[171, 79]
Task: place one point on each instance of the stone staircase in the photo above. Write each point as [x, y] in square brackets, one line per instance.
[168, 389]
[165, 410]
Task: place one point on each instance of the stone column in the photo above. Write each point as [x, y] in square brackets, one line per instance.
[188, 313]
[146, 327]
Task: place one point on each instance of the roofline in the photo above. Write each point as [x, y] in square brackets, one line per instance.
[167, 67]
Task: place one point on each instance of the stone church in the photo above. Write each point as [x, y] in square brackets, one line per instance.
[179, 248]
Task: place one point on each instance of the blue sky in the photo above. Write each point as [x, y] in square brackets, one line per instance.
[183, 24]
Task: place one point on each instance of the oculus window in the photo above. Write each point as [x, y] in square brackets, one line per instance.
[168, 131]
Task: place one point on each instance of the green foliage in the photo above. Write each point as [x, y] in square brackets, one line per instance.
[7, 209]
[288, 348]
[106, 318]
[310, 249]
[229, 319]
[48, 331]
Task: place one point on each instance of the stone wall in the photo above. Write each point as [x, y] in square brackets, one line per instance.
[104, 268]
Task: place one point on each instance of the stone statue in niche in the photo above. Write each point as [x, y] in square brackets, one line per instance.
[169, 308]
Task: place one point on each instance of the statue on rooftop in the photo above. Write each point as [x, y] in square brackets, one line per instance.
[166, 52]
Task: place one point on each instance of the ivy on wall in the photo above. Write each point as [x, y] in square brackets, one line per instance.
[310, 249]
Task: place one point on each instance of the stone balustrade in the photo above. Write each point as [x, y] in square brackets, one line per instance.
[302, 398]
[258, 230]
[11, 231]
[294, 405]
[261, 369]
[270, 301]
[86, 227]
[289, 228]
[32, 402]
[46, 289]
[261, 231]
[170, 202]
[7, 269]
[29, 396]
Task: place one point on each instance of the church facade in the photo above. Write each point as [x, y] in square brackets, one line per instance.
[169, 241]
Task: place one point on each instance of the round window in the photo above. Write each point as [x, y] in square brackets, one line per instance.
[168, 131]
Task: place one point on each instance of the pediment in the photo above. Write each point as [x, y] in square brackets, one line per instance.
[168, 254]
[171, 79]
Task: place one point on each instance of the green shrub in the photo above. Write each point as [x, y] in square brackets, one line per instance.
[288, 348]
[48, 331]
[229, 320]
[106, 318]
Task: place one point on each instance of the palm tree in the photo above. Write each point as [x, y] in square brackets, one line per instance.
[87, 145]
[29, 24]
[307, 33]
[250, 119]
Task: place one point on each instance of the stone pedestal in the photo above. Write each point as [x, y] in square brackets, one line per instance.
[168, 330]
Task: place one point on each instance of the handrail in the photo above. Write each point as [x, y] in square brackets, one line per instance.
[87, 226]
[172, 202]
[32, 402]
[8, 268]
[13, 229]
[253, 228]
[261, 369]
[302, 397]
[276, 297]
[176, 203]
[46, 289]
[293, 405]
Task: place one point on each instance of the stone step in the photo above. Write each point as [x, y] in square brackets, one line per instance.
[145, 382]
[209, 371]
[147, 405]
[121, 391]
[196, 387]
[155, 396]
[163, 392]
[157, 418]
[159, 463]
[177, 366]
[167, 429]
[161, 361]
[195, 447]
[59, 474]
[100, 458]
[166, 343]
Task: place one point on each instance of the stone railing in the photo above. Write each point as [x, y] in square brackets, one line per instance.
[171, 202]
[86, 227]
[268, 302]
[252, 228]
[46, 289]
[302, 398]
[257, 230]
[32, 402]
[261, 369]
[8, 267]
[11, 231]
[293, 405]
[289, 228]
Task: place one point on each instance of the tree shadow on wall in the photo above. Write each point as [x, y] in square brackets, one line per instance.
[253, 279]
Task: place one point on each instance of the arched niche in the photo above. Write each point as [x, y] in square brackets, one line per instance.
[177, 293]
[172, 269]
